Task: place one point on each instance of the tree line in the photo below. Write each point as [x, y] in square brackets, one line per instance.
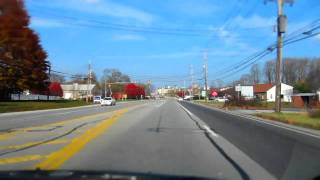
[302, 73]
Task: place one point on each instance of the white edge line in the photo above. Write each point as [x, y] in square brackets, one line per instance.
[269, 123]
[205, 127]
[211, 132]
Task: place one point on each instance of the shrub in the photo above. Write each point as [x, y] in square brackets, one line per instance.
[314, 114]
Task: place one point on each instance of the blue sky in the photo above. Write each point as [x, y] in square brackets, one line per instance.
[74, 32]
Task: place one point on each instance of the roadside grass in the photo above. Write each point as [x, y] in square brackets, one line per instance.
[232, 105]
[298, 119]
[256, 105]
[210, 103]
[17, 106]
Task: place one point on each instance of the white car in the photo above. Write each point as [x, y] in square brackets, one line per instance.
[180, 99]
[108, 101]
[97, 99]
[221, 99]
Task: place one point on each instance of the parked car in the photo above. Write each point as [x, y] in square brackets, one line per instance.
[180, 99]
[108, 101]
[97, 99]
[221, 99]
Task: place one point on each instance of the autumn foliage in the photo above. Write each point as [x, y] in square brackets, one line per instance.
[55, 89]
[134, 90]
[23, 62]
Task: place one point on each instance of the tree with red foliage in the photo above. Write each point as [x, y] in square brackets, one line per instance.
[23, 62]
[55, 89]
[181, 93]
[134, 91]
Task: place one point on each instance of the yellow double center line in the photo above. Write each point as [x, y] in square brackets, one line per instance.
[56, 159]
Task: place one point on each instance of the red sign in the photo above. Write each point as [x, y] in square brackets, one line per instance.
[214, 93]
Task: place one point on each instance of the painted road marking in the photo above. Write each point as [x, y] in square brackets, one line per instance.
[210, 131]
[205, 127]
[265, 121]
[6, 136]
[13, 160]
[58, 158]
[19, 146]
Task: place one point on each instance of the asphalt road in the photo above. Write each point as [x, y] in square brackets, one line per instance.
[161, 137]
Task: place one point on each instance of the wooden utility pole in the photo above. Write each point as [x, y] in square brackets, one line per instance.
[279, 59]
[281, 29]
[206, 75]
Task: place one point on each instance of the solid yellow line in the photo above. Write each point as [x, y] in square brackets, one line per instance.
[56, 159]
[13, 160]
[59, 141]
[6, 136]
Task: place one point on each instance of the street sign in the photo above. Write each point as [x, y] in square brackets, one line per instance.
[238, 88]
[203, 93]
[214, 93]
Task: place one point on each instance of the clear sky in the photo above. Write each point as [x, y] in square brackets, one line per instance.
[116, 34]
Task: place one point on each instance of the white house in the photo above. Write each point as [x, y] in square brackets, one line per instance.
[318, 93]
[245, 91]
[76, 91]
[286, 92]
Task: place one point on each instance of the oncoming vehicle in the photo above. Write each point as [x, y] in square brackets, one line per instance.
[97, 99]
[221, 99]
[108, 101]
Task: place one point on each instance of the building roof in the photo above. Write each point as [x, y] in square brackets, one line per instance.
[261, 88]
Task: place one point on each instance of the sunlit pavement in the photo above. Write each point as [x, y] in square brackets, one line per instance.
[156, 136]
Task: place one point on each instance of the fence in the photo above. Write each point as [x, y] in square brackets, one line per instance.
[23, 97]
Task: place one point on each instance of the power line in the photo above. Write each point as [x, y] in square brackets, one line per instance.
[92, 23]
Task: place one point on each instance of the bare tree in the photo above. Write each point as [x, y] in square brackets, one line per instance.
[245, 79]
[295, 70]
[114, 75]
[313, 75]
[255, 74]
[57, 78]
[302, 69]
[289, 75]
[270, 71]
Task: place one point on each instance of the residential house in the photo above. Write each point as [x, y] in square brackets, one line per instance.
[246, 92]
[260, 90]
[286, 93]
[76, 91]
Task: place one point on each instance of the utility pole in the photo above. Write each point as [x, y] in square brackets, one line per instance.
[105, 87]
[191, 74]
[205, 68]
[184, 88]
[110, 89]
[49, 74]
[281, 29]
[149, 87]
[88, 82]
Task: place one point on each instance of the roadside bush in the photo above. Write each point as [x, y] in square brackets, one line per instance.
[314, 114]
[246, 103]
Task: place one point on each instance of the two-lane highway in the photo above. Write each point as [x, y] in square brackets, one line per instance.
[161, 137]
